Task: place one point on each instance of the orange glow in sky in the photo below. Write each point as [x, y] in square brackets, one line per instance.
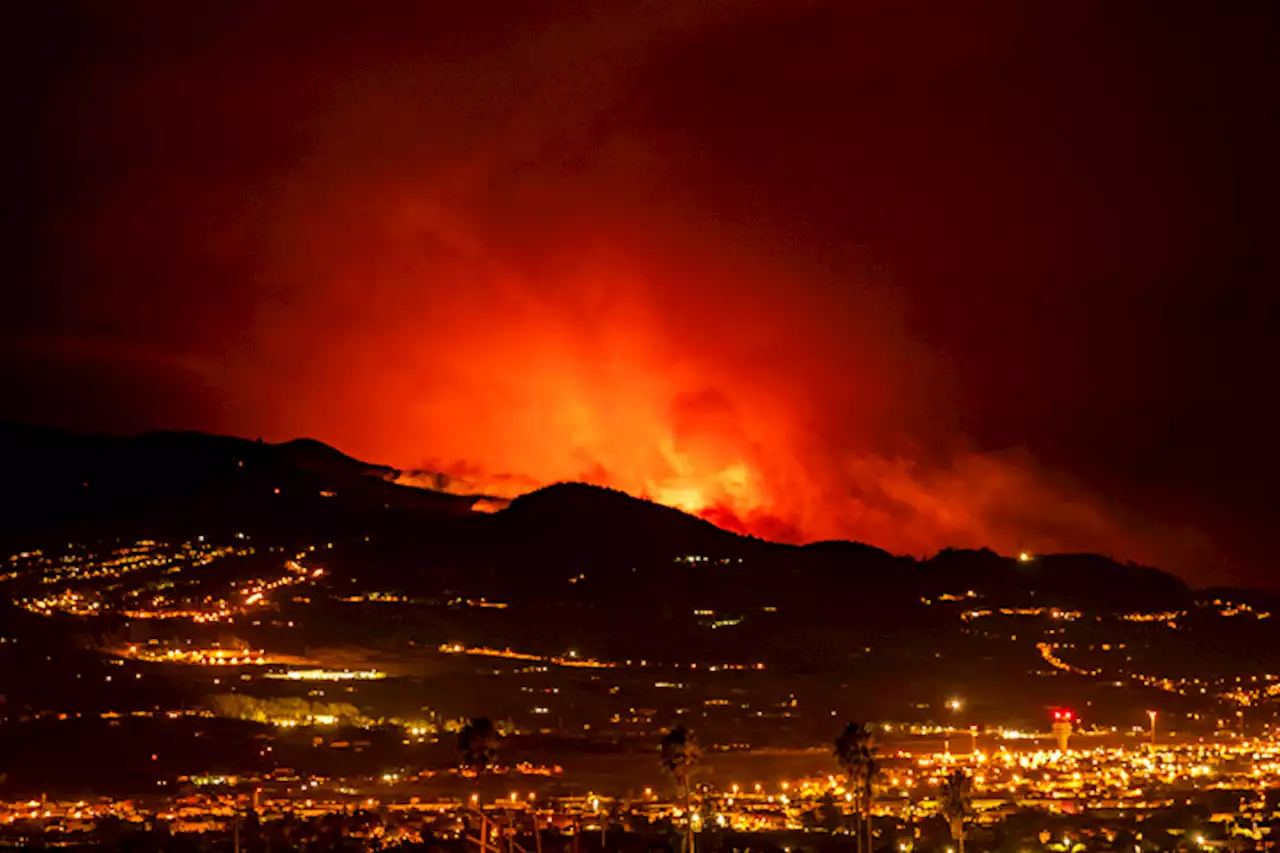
[506, 257]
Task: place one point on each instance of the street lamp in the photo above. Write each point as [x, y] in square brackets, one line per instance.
[954, 705]
[1152, 715]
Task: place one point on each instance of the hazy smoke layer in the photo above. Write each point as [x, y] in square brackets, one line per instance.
[533, 252]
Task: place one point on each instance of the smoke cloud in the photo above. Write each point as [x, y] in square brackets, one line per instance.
[546, 250]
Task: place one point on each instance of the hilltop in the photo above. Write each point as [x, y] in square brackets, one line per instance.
[175, 483]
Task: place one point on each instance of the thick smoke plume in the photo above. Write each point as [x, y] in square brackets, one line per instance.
[530, 253]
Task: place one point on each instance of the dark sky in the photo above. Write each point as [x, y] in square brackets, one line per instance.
[915, 273]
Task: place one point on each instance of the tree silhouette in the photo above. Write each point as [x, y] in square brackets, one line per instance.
[478, 743]
[826, 815]
[954, 803]
[478, 747]
[870, 778]
[680, 755]
[857, 757]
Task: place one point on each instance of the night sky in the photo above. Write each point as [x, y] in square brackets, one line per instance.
[919, 274]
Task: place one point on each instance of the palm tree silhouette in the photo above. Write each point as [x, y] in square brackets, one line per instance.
[954, 803]
[680, 755]
[870, 778]
[857, 757]
[478, 749]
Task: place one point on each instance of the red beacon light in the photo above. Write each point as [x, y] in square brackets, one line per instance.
[1062, 727]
